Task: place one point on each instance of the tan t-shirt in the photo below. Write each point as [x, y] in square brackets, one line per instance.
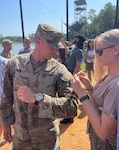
[106, 97]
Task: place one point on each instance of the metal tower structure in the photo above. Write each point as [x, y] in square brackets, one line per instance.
[80, 15]
[80, 9]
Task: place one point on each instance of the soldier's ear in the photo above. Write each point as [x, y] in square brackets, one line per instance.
[37, 40]
[116, 50]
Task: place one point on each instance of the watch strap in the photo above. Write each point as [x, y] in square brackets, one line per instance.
[36, 102]
[84, 98]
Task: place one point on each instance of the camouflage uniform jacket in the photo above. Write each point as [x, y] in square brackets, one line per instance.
[3, 54]
[32, 121]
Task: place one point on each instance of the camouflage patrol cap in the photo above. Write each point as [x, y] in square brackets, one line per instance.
[49, 33]
[6, 41]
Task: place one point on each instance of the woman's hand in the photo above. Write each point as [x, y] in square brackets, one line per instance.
[78, 86]
[84, 79]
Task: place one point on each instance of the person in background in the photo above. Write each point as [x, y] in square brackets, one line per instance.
[7, 47]
[72, 46]
[85, 47]
[84, 50]
[66, 46]
[74, 64]
[75, 56]
[89, 57]
[63, 51]
[27, 46]
[102, 109]
[35, 93]
[83, 63]
[3, 62]
[60, 55]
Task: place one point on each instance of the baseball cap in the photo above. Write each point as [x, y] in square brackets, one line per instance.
[6, 41]
[49, 33]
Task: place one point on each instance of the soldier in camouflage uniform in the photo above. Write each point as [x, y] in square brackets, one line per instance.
[7, 47]
[35, 94]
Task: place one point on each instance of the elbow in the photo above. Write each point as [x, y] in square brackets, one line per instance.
[102, 136]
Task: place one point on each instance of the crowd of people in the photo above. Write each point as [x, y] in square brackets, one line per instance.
[44, 83]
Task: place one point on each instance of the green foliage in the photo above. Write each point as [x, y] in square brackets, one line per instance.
[106, 18]
[96, 24]
[18, 39]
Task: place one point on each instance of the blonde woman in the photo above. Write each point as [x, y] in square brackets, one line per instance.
[102, 108]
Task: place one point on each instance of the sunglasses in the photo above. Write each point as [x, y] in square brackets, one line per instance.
[100, 50]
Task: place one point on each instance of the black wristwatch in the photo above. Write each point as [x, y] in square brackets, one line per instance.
[38, 98]
[84, 98]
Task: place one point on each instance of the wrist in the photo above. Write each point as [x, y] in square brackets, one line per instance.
[88, 89]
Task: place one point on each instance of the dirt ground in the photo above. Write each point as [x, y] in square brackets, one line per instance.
[73, 136]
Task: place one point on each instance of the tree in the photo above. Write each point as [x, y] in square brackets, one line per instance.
[102, 22]
[91, 15]
[106, 18]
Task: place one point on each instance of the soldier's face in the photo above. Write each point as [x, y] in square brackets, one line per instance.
[51, 51]
[48, 51]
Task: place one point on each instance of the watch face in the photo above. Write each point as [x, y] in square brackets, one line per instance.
[39, 96]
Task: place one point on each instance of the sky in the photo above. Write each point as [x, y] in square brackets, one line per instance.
[51, 12]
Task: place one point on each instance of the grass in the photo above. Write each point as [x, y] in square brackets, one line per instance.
[83, 67]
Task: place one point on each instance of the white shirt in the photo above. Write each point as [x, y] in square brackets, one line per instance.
[90, 53]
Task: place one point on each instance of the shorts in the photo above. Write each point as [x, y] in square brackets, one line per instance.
[89, 66]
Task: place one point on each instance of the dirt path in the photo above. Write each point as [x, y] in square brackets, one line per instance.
[73, 136]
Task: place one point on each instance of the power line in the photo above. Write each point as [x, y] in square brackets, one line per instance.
[38, 3]
[49, 10]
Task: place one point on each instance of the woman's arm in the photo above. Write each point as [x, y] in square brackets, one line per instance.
[104, 125]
